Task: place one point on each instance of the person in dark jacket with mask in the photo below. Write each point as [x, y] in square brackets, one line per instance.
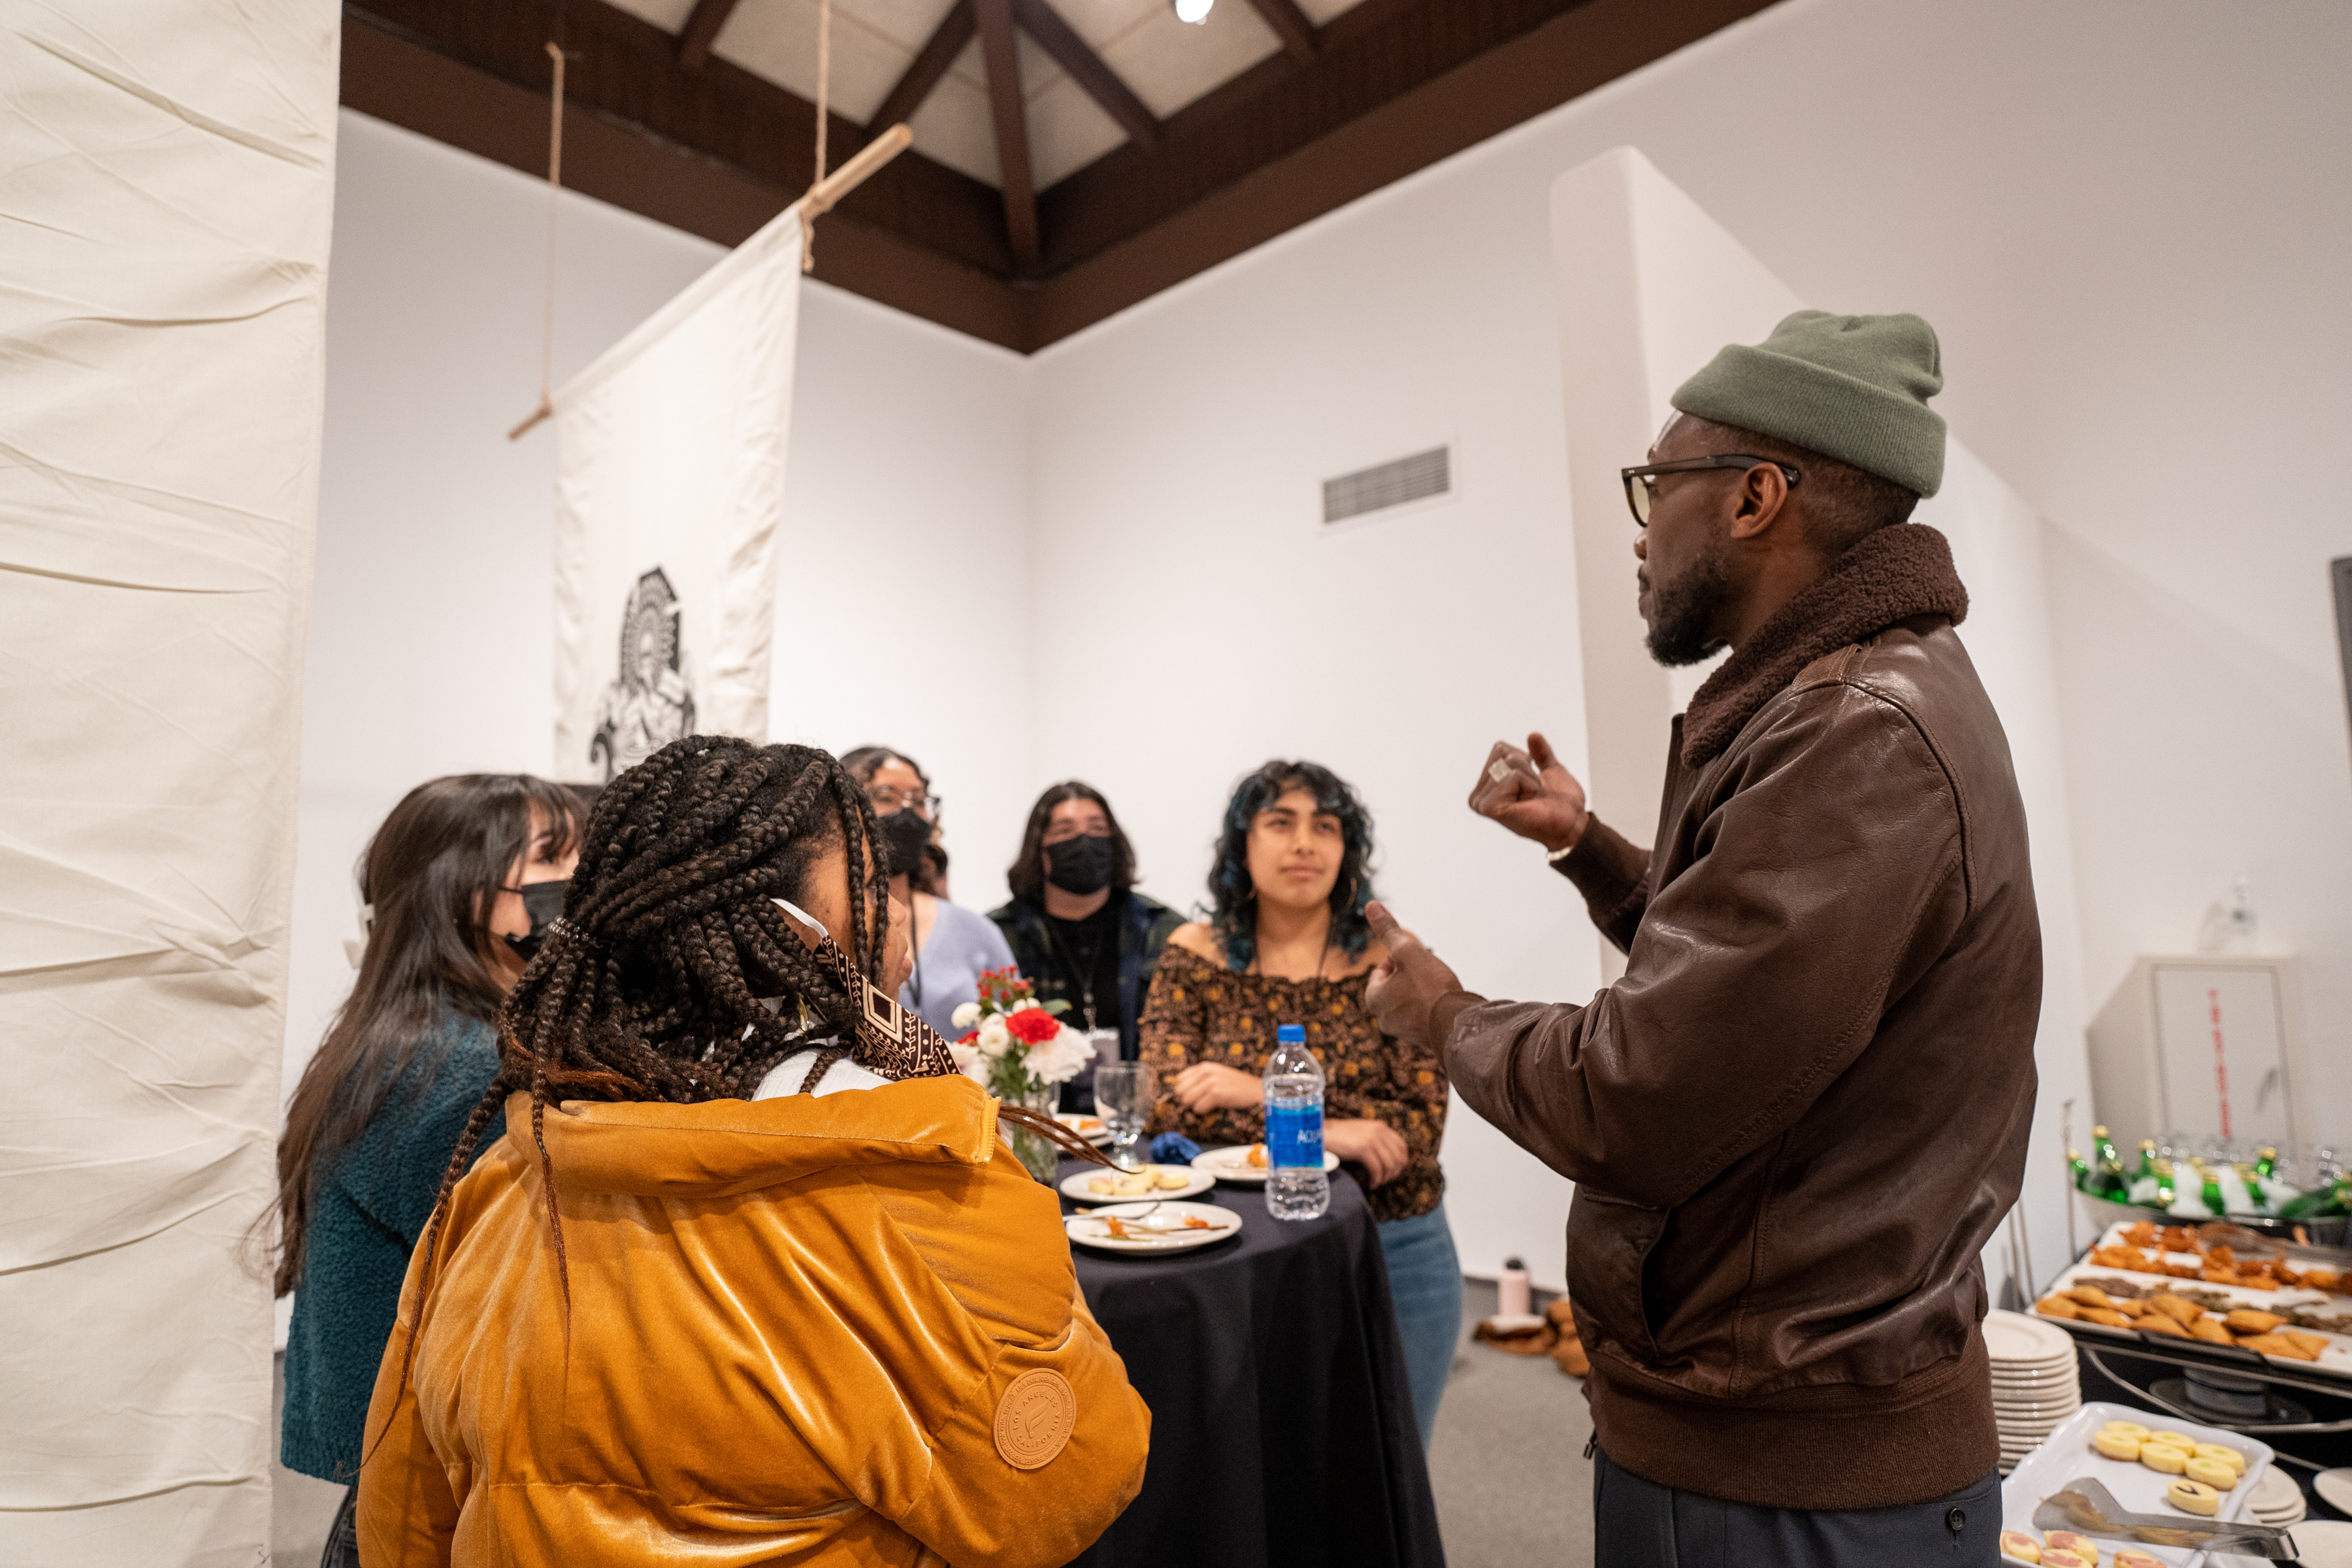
[952, 944]
[1802, 1111]
[1076, 924]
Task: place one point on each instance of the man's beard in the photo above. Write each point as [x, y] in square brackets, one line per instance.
[1683, 612]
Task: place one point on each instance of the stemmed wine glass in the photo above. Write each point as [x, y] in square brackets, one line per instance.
[1124, 1094]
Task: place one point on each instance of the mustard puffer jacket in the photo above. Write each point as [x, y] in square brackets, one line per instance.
[840, 1329]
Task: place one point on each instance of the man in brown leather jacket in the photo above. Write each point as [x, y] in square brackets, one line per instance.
[1795, 1119]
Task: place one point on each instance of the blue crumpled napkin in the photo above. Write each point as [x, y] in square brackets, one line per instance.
[1173, 1149]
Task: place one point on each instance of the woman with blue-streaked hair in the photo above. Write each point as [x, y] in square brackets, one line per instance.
[1286, 942]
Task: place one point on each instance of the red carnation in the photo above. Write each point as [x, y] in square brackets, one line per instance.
[1031, 1026]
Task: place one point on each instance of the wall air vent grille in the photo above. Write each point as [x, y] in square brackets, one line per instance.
[1417, 478]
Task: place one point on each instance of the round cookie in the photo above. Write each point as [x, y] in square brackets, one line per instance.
[2128, 1558]
[2163, 1457]
[2018, 1544]
[2227, 1456]
[2059, 1557]
[2132, 1427]
[2082, 1546]
[2116, 1445]
[2212, 1472]
[2194, 1496]
[2180, 1440]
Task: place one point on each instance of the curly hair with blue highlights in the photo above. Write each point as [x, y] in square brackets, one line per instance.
[1233, 897]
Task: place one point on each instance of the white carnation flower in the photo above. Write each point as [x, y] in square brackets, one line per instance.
[1059, 1060]
[970, 1063]
[965, 1016]
[995, 1039]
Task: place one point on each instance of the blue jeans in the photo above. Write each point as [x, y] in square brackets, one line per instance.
[1425, 1284]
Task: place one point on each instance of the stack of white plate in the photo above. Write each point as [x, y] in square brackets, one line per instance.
[2276, 1500]
[2034, 1383]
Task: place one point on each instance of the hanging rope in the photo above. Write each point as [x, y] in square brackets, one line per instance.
[554, 188]
[809, 207]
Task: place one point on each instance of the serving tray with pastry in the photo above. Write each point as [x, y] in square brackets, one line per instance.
[2217, 1287]
[2131, 1489]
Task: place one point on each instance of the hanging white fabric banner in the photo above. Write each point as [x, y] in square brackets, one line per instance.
[166, 192]
[669, 487]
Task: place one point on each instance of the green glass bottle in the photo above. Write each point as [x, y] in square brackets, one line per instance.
[2266, 1165]
[2082, 1169]
[2320, 1202]
[2147, 1160]
[2167, 1184]
[2211, 1191]
[2108, 1164]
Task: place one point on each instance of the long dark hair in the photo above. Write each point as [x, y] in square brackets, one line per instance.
[1026, 875]
[1233, 897]
[429, 876]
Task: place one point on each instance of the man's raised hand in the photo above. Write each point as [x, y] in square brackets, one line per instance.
[1531, 794]
[1405, 984]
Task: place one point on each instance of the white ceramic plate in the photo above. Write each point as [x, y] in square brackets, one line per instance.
[1230, 1163]
[2334, 1489]
[2066, 1455]
[1090, 1128]
[2324, 1544]
[1194, 1182]
[1162, 1224]
[2024, 1343]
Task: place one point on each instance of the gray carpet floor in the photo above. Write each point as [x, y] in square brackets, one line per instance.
[1514, 1490]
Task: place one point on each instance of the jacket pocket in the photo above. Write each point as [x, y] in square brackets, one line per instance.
[1608, 1246]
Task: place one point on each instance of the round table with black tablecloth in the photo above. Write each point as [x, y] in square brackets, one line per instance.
[1282, 1426]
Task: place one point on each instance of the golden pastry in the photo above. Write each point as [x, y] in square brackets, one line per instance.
[2130, 1428]
[2059, 1557]
[1169, 1177]
[2163, 1457]
[2158, 1323]
[2211, 1330]
[2192, 1497]
[2309, 1341]
[2082, 1546]
[1256, 1158]
[2130, 1558]
[2116, 1445]
[2246, 1321]
[2091, 1296]
[2181, 1440]
[2056, 1307]
[2276, 1344]
[2227, 1456]
[2212, 1472]
[2183, 1312]
[2102, 1315]
[2133, 1307]
[2018, 1544]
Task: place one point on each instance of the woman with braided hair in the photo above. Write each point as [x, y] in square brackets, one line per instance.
[751, 1277]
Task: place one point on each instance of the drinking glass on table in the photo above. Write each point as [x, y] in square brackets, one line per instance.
[1124, 1093]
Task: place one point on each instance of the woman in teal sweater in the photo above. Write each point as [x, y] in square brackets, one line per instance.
[457, 885]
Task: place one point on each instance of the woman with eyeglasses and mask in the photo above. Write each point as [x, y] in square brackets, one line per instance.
[1288, 942]
[1076, 925]
[752, 1276]
[460, 884]
[951, 944]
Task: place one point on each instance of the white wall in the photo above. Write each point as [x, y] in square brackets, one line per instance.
[431, 635]
[2126, 217]
[2126, 222]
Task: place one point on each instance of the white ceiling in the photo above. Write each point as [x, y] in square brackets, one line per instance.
[1165, 62]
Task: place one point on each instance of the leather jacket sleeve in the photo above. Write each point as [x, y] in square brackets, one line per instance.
[1614, 878]
[1827, 874]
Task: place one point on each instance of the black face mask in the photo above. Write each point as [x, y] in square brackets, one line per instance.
[1081, 865]
[905, 834]
[544, 901]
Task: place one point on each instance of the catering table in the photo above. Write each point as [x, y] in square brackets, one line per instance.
[1282, 1428]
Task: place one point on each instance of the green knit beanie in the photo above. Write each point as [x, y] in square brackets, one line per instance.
[1851, 388]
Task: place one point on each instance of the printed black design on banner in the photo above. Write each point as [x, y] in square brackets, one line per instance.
[650, 704]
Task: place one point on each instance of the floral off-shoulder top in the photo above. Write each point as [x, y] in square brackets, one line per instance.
[1203, 1012]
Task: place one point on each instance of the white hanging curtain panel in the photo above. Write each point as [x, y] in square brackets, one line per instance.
[167, 190]
[669, 486]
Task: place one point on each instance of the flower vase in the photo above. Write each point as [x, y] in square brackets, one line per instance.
[1037, 1152]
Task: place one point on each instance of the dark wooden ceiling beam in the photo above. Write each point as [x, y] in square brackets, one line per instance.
[923, 73]
[1290, 24]
[1088, 68]
[1002, 54]
[701, 31]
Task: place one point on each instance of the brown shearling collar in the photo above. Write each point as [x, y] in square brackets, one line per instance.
[1900, 570]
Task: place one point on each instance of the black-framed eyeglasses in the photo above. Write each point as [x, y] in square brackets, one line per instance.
[889, 798]
[1639, 493]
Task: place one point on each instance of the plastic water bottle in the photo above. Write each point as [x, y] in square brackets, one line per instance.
[1295, 1186]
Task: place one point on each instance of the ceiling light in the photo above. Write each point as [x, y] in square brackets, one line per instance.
[1193, 11]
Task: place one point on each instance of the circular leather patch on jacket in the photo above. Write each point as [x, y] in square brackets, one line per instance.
[1034, 1419]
